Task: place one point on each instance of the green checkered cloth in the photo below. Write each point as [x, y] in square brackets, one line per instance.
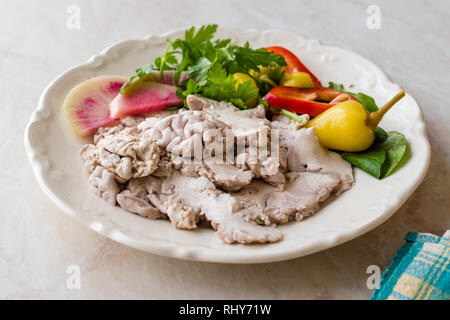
[419, 271]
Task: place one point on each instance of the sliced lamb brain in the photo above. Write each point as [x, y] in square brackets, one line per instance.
[227, 176]
[137, 205]
[144, 96]
[253, 135]
[240, 227]
[87, 105]
[104, 185]
[305, 150]
[134, 199]
[197, 193]
[305, 153]
[300, 199]
[242, 122]
[200, 197]
[181, 216]
[224, 176]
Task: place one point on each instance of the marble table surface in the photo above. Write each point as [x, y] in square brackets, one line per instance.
[38, 242]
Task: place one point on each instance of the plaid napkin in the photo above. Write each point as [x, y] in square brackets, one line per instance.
[419, 271]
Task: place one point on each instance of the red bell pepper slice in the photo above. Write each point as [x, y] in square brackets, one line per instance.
[294, 64]
[306, 101]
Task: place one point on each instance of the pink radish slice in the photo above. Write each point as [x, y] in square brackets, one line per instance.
[144, 96]
[168, 77]
[87, 105]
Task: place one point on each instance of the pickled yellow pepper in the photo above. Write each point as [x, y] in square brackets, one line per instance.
[348, 126]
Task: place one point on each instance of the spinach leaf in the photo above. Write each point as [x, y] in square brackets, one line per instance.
[367, 101]
[380, 135]
[370, 161]
[395, 146]
[382, 157]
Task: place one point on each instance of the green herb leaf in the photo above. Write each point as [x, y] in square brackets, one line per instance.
[211, 64]
[300, 119]
[189, 49]
[247, 58]
[380, 135]
[336, 86]
[122, 88]
[192, 87]
[263, 102]
[367, 101]
[222, 87]
[205, 33]
[276, 74]
[185, 61]
[140, 72]
[395, 146]
[382, 157]
[199, 70]
[370, 161]
[146, 69]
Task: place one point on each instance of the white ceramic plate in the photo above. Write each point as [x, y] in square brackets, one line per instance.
[54, 156]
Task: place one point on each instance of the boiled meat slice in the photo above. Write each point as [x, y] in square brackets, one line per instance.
[242, 122]
[122, 151]
[241, 228]
[225, 176]
[300, 199]
[134, 199]
[187, 133]
[254, 147]
[104, 185]
[181, 216]
[221, 209]
[305, 153]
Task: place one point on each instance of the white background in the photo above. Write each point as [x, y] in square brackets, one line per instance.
[38, 242]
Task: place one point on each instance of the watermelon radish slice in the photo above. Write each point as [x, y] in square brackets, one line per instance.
[168, 77]
[87, 105]
[144, 96]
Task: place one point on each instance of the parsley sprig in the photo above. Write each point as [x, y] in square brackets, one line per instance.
[210, 65]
